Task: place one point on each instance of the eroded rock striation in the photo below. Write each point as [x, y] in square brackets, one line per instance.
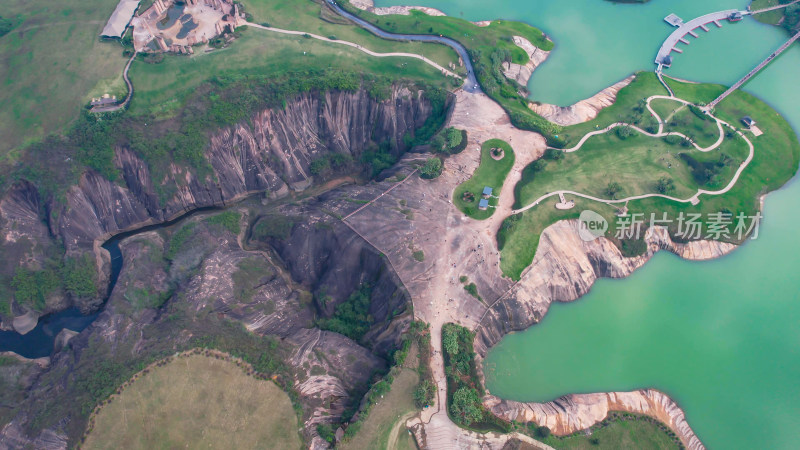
[575, 412]
[584, 110]
[521, 73]
[270, 153]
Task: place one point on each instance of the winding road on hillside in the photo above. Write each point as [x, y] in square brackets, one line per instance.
[104, 109]
[472, 82]
[693, 199]
[357, 46]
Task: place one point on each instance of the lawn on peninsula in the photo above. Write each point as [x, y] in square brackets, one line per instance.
[776, 157]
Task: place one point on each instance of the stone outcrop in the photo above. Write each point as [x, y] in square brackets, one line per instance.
[521, 73]
[369, 5]
[584, 110]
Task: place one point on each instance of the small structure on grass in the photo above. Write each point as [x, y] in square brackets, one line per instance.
[487, 192]
[105, 100]
[751, 125]
[483, 205]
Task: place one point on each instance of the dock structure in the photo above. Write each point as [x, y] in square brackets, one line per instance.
[673, 20]
[687, 28]
[753, 72]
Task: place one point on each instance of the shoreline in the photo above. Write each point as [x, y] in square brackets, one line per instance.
[646, 401]
[583, 110]
[574, 412]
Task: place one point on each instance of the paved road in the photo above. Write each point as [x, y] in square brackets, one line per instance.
[472, 83]
[693, 199]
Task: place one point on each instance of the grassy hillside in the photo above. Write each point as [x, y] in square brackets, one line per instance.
[609, 158]
[197, 401]
[52, 61]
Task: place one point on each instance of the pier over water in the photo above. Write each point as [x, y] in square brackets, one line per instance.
[664, 57]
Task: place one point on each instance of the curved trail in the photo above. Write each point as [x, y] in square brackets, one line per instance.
[357, 46]
[127, 100]
[695, 199]
[472, 82]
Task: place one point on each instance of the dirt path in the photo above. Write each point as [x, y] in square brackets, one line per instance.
[359, 47]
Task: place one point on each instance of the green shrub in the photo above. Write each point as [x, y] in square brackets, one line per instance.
[352, 317]
[326, 432]
[80, 276]
[178, 240]
[32, 287]
[473, 290]
[553, 154]
[424, 394]
[454, 137]
[432, 168]
[466, 407]
[228, 220]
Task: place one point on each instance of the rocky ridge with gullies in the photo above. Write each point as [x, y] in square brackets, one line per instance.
[169, 298]
[271, 153]
[583, 110]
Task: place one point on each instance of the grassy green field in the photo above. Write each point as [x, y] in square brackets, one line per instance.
[193, 402]
[770, 17]
[490, 173]
[162, 88]
[637, 163]
[51, 64]
[385, 427]
[777, 154]
[680, 118]
[640, 434]
[629, 108]
[312, 17]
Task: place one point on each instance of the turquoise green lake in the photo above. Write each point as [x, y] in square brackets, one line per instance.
[722, 337]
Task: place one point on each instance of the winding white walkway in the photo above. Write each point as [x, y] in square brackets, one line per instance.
[357, 46]
[693, 199]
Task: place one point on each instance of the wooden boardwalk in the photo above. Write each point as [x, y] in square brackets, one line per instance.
[753, 72]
